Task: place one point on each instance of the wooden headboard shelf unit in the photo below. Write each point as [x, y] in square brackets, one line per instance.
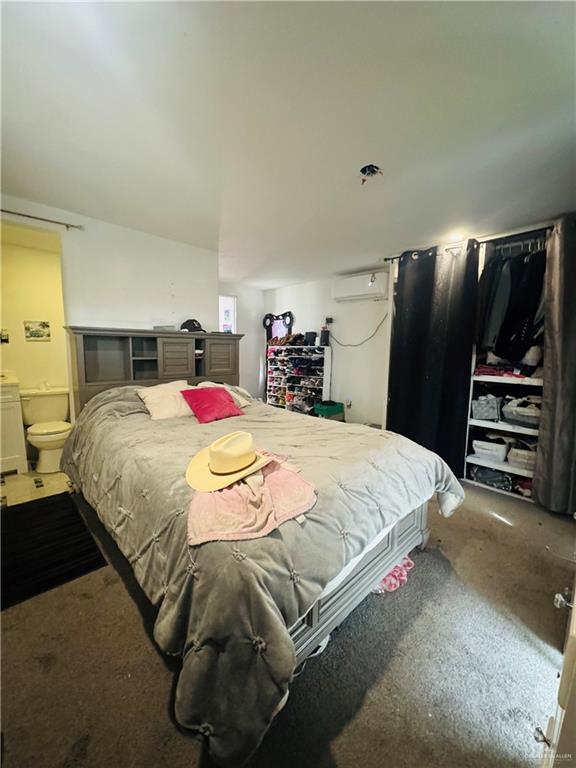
[102, 358]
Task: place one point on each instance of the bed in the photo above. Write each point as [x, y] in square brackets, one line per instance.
[242, 615]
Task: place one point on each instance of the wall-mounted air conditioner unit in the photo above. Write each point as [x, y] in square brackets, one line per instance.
[372, 286]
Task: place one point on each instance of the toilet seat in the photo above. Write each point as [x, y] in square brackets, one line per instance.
[46, 428]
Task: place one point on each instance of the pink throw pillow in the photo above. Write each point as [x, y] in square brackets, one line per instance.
[211, 404]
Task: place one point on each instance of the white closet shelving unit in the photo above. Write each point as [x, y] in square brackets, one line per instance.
[502, 386]
[298, 377]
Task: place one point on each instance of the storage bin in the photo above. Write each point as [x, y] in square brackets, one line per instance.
[522, 458]
[524, 411]
[487, 408]
[328, 409]
[489, 450]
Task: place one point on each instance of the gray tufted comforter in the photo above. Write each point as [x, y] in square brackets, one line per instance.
[225, 607]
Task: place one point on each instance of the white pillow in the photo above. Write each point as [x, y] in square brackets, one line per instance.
[164, 401]
[241, 397]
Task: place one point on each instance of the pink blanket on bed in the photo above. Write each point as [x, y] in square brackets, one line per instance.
[251, 508]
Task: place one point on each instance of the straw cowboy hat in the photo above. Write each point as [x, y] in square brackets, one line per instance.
[227, 460]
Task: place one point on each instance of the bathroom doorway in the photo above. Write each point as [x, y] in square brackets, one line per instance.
[33, 352]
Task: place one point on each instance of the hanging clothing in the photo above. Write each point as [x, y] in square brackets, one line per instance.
[493, 299]
[517, 332]
[555, 472]
[431, 356]
[538, 324]
[510, 304]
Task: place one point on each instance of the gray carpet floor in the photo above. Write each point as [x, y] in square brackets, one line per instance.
[455, 670]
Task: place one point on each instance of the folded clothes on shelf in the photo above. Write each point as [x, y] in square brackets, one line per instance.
[502, 481]
[492, 477]
[498, 370]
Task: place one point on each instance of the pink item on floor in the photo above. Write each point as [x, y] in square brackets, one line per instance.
[397, 577]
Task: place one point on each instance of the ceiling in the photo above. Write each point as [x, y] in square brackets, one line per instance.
[241, 127]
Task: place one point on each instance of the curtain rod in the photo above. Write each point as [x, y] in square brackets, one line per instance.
[41, 218]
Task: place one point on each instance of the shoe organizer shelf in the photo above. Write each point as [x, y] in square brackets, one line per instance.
[298, 377]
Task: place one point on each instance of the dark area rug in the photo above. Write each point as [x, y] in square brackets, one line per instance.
[44, 544]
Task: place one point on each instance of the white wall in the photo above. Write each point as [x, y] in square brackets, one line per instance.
[358, 373]
[249, 314]
[123, 278]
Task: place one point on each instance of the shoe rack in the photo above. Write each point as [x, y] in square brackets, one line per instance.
[298, 377]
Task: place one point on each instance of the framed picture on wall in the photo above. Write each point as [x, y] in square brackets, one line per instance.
[36, 330]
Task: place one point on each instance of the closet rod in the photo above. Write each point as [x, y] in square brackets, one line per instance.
[519, 231]
[41, 218]
[539, 242]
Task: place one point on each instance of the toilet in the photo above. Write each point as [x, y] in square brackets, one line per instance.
[45, 412]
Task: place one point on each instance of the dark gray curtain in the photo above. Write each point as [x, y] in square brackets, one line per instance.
[431, 357]
[554, 484]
